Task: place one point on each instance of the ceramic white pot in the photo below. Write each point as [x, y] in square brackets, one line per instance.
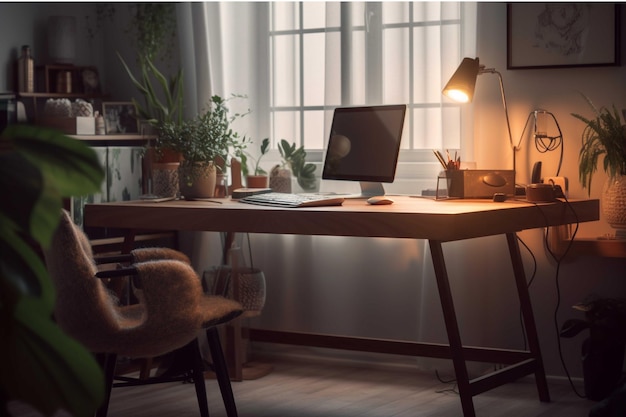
[613, 202]
[62, 39]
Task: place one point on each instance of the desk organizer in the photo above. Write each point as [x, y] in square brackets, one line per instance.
[477, 183]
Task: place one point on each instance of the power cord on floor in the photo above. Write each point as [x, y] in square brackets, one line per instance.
[453, 390]
[558, 261]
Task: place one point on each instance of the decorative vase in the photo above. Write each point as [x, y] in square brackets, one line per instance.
[62, 39]
[197, 181]
[280, 179]
[221, 186]
[614, 204]
[165, 181]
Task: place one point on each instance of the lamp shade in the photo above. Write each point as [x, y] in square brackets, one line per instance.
[461, 85]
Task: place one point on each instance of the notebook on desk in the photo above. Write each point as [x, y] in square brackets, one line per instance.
[292, 200]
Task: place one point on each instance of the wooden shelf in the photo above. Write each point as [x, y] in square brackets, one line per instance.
[60, 95]
[113, 138]
[560, 244]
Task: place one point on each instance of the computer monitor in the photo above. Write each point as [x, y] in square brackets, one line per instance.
[363, 146]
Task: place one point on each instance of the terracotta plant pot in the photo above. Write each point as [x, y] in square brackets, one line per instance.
[257, 181]
[197, 181]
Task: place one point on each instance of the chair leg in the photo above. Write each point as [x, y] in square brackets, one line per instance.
[198, 377]
[221, 371]
[108, 362]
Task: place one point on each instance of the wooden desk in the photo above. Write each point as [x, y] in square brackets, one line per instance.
[410, 218]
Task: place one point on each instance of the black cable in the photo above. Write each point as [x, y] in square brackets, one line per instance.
[558, 261]
[554, 142]
[545, 144]
[454, 387]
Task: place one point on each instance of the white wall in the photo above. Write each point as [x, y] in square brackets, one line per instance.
[556, 90]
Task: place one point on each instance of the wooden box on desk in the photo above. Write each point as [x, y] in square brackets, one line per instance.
[71, 125]
[479, 183]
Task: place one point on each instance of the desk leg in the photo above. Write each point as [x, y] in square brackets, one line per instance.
[452, 328]
[234, 342]
[529, 319]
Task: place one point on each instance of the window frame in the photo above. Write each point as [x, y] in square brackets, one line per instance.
[412, 163]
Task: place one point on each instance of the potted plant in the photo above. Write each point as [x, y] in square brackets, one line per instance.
[294, 162]
[603, 350]
[160, 105]
[153, 28]
[200, 141]
[605, 135]
[257, 178]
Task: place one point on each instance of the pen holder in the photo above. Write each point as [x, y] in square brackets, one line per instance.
[476, 183]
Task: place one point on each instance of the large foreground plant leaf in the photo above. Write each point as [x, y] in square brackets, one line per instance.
[41, 365]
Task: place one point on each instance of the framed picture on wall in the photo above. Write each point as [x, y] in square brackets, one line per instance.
[557, 35]
[120, 118]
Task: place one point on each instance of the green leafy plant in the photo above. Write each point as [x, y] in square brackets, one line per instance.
[159, 106]
[153, 28]
[257, 170]
[41, 364]
[295, 159]
[604, 135]
[104, 11]
[205, 137]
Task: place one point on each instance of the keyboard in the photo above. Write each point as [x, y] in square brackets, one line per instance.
[292, 200]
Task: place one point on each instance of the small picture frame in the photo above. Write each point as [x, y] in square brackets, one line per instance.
[558, 35]
[120, 118]
[90, 80]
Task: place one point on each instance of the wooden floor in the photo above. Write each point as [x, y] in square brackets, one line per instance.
[309, 386]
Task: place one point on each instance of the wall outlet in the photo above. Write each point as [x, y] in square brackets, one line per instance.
[560, 181]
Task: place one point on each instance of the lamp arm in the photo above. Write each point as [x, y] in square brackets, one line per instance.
[483, 70]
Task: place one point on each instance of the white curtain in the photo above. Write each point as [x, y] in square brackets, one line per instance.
[381, 288]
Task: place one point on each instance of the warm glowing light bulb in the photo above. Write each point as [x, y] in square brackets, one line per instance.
[458, 95]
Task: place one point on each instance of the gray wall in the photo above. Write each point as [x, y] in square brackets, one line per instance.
[26, 24]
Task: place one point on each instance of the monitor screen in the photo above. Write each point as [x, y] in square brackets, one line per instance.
[364, 143]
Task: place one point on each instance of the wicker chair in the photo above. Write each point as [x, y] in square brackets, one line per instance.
[170, 313]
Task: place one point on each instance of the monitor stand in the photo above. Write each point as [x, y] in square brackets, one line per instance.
[368, 189]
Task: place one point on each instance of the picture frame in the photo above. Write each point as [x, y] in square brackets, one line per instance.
[90, 80]
[558, 35]
[120, 118]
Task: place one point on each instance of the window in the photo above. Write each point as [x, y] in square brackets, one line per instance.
[329, 54]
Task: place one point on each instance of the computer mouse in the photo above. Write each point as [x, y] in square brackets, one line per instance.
[379, 200]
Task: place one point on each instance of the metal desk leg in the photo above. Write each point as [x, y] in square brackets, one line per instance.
[452, 328]
[529, 319]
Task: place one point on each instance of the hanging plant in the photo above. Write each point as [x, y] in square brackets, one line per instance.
[153, 29]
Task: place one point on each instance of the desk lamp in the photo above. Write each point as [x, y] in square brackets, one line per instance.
[461, 86]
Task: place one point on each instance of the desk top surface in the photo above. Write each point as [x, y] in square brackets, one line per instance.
[408, 217]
